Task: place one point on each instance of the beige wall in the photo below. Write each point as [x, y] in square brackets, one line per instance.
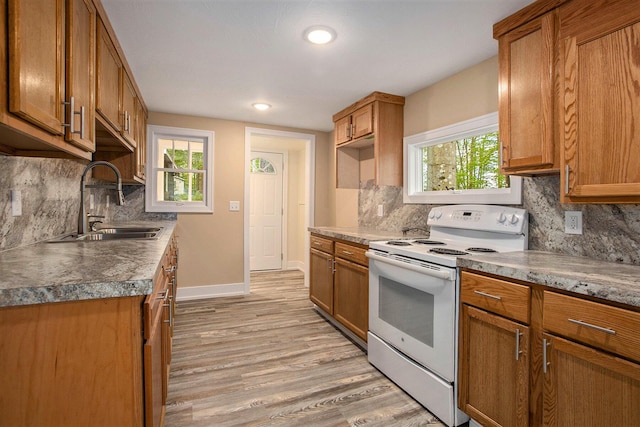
[211, 245]
[470, 93]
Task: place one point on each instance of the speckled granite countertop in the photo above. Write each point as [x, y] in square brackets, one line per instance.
[359, 234]
[52, 272]
[602, 279]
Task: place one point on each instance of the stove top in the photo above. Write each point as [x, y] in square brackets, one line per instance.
[463, 230]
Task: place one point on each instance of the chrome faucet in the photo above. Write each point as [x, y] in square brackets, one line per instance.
[82, 216]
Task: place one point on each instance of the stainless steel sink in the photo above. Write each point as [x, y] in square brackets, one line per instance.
[128, 230]
[112, 233]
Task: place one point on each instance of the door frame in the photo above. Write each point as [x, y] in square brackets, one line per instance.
[309, 186]
[285, 201]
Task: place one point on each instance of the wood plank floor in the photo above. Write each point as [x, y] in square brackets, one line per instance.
[269, 359]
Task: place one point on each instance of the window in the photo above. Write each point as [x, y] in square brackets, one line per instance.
[180, 170]
[458, 164]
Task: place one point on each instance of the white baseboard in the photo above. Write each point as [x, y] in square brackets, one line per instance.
[295, 265]
[210, 291]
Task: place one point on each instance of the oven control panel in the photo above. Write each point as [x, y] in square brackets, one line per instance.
[501, 219]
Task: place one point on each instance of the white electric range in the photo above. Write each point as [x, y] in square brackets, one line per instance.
[414, 298]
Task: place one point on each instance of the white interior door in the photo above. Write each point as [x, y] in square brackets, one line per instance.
[265, 212]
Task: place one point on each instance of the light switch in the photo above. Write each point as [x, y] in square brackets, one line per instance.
[16, 203]
[234, 206]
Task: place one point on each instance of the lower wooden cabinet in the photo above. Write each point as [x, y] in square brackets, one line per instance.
[339, 282]
[97, 362]
[351, 296]
[573, 362]
[495, 382]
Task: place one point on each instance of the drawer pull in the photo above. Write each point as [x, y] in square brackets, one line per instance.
[545, 363]
[347, 252]
[518, 352]
[484, 294]
[596, 327]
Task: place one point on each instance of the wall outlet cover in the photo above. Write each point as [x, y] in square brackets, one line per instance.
[234, 206]
[573, 222]
[16, 203]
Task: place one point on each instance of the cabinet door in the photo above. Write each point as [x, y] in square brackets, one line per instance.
[80, 74]
[36, 68]
[343, 130]
[108, 86]
[129, 109]
[493, 368]
[526, 75]
[141, 139]
[321, 280]
[351, 296]
[601, 106]
[362, 121]
[153, 376]
[584, 387]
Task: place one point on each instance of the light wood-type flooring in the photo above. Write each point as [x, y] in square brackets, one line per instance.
[268, 359]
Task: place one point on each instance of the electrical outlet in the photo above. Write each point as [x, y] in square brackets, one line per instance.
[573, 222]
[16, 203]
[380, 210]
[234, 206]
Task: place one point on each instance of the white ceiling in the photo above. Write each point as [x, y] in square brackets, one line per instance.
[214, 58]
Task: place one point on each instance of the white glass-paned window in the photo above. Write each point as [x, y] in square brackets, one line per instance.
[458, 164]
[180, 170]
[263, 166]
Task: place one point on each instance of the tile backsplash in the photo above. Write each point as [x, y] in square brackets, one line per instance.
[610, 232]
[50, 190]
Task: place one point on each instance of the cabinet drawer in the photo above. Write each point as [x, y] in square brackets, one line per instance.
[609, 328]
[322, 244]
[351, 253]
[495, 295]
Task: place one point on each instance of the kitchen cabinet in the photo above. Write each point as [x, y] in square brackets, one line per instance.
[351, 288]
[51, 115]
[600, 103]
[368, 136]
[568, 88]
[321, 273]
[339, 282]
[528, 79]
[90, 362]
[494, 351]
[564, 359]
[121, 115]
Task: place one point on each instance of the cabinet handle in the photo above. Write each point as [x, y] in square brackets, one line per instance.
[82, 115]
[347, 252]
[502, 150]
[484, 294]
[168, 305]
[162, 294]
[518, 352]
[170, 269]
[317, 243]
[545, 363]
[329, 263]
[596, 327]
[72, 114]
[333, 262]
[566, 179]
[348, 130]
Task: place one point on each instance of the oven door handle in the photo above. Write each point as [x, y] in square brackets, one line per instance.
[446, 275]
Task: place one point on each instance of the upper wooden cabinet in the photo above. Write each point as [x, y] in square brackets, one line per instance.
[109, 80]
[368, 136]
[527, 97]
[600, 41]
[53, 112]
[355, 125]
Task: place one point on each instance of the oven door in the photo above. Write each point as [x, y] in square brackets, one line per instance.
[412, 308]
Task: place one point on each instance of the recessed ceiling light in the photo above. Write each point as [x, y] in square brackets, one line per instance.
[261, 106]
[319, 34]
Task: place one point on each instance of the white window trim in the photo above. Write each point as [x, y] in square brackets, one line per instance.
[412, 153]
[151, 203]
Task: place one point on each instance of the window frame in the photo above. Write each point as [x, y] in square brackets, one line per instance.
[412, 170]
[152, 203]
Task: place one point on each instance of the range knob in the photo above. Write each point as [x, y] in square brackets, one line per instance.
[438, 214]
[432, 214]
[502, 218]
[513, 219]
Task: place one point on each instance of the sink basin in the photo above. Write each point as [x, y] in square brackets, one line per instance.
[112, 233]
[128, 230]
